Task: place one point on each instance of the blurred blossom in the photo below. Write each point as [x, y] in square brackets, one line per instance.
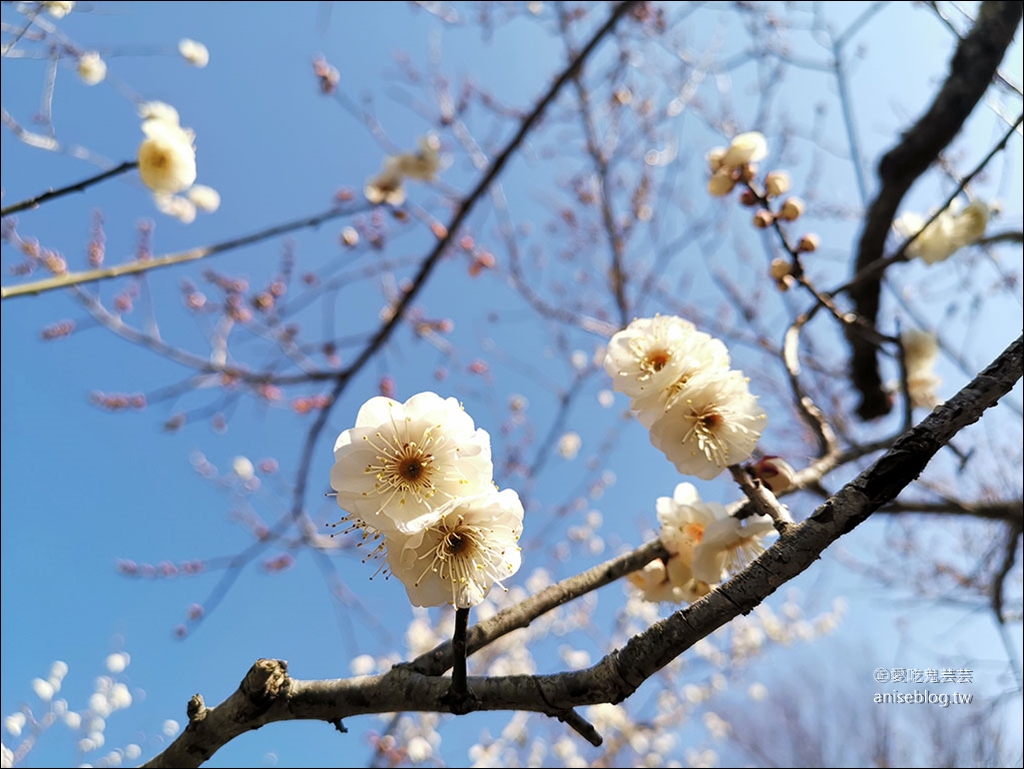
[43, 689]
[194, 53]
[73, 720]
[58, 9]
[363, 665]
[119, 697]
[757, 691]
[569, 445]
[171, 727]
[578, 360]
[58, 670]
[14, 723]
[606, 398]
[418, 750]
[204, 198]
[132, 751]
[167, 156]
[117, 662]
[243, 468]
[91, 68]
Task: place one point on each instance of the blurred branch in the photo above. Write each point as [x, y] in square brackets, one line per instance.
[268, 694]
[974, 64]
[144, 265]
[81, 186]
[616, 273]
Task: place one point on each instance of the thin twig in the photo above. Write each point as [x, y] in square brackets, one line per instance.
[81, 186]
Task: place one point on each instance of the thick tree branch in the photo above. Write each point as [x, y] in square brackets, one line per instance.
[973, 66]
[268, 694]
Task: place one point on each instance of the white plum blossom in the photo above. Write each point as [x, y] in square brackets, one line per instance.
[952, 230]
[654, 583]
[194, 53]
[703, 355]
[569, 445]
[728, 545]
[167, 157]
[58, 9]
[715, 423]
[91, 68]
[457, 558]
[745, 148]
[423, 165]
[204, 198]
[178, 206]
[920, 352]
[649, 354]
[401, 462]
[386, 187]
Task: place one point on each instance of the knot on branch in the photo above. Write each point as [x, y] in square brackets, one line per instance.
[265, 682]
[196, 709]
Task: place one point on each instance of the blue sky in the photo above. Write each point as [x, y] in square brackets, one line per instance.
[84, 489]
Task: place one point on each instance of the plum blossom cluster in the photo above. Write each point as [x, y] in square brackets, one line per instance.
[167, 164]
[700, 413]
[417, 478]
[952, 230]
[387, 186]
[706, 546]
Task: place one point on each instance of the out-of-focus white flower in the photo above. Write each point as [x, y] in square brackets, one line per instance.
[458, 558]
[6, 757]
[728, 545]
[951, 231]
[401, 462]
[721, 183]
[58, 670]
[194, 53]
[117, 662]
[204, 198]
[386, 187]
[363, 665]
[715, 423]
[158, 110]
[424, 164]
[171, 727]
[119, 698]
[58, 9]
[44, 689]
[132, 751]
[921, 351]
[243, 468]
[419, 749]
[73, 720]
[569, 445]
[91, 68]
[167, 157]
[179, 207]
[757, 691]
[718, 728]
[745, 148]
[14, 723]
[606, 399]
